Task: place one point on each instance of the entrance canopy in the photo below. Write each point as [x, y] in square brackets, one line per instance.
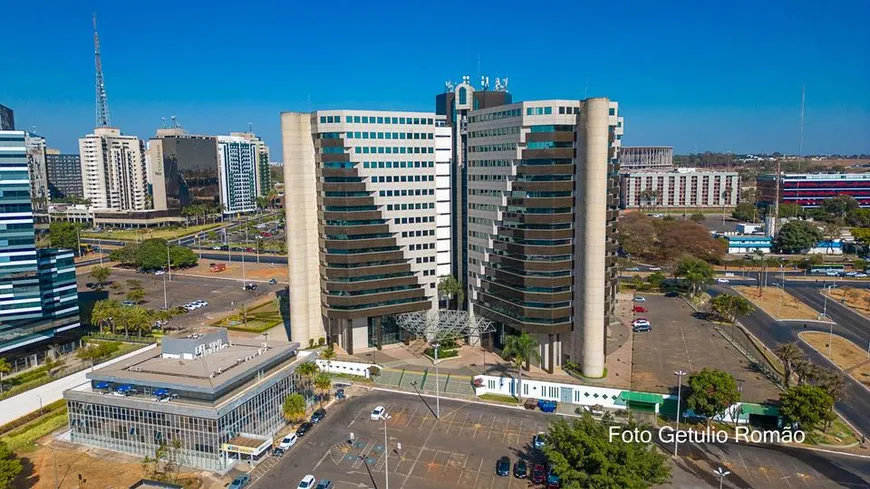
[445, 324]
[246, 444]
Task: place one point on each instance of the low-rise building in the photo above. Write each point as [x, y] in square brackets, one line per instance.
[741, 243]
[681, 188]
[219, 398]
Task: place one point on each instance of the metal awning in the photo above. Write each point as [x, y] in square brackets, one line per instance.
[644, 397]
[759, 409]
[101, 385]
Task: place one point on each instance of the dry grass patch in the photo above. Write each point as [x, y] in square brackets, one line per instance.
[857, 299]
[777, 303]
[845, 354]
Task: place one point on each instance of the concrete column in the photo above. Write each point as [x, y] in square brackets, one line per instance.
[590, 262]
[300, 201]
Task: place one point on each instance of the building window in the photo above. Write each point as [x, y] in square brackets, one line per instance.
[463, 96]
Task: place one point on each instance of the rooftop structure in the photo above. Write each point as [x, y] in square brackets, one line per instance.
[645, 158]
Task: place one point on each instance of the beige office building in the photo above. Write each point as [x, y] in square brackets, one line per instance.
[542, 209]
[368, 221]
[113, 170]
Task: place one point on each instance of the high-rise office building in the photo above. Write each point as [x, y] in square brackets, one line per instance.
[363, 221]
[542, 208]
[645, 158]
[455, 104]
[7, 118]
[39, 303]
[113, 170]
[262, 175]
[183, 169]
[238, 160]
[64, 175]
[38, 174]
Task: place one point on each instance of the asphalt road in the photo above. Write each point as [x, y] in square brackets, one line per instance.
[771, 332]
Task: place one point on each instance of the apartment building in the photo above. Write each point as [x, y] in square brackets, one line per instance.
[683, 187]
[64, 174]
[263, 177]
[238, 161]
[367, 220]
[38, 173]
[542, 209]
[113, 170]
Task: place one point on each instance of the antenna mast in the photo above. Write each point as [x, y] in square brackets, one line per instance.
[801, 143]
[102, 101]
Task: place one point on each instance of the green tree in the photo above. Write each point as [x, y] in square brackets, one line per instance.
[10, 466]
[656, 279]
[583, 454]
[859, 265]
[294, 408]
[712, 392]
[452, 288]
[862, 235]
[697, 217]
[808, 405]
[136, 295]
[695, 271]
[520, 349]
[307, 371]
[64, 234]
[797, 236]
[5, 368]
[329, 355]
[103, 313]
[182, 257]
[745, 212]
[730, 307]
[125, 255]
[134, 283]
[322, 383]
[790, 354]
[790, 210]
[90, 353]
[101, 274]
[840, 205]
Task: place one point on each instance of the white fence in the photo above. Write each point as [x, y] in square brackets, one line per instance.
[350, 368]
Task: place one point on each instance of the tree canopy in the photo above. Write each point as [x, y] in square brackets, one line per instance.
[745, 212]
[730, 306]
[582, 453]
[519, 349]
[151, 255]
[808, 405]
[695, 271]
[294, 407]
[797, 236]
[666, 241]
[10, 466]
[64, 234]
[712, 392]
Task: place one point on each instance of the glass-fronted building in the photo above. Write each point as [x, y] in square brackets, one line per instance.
[220, 399]
[38, 298]
[64, 175]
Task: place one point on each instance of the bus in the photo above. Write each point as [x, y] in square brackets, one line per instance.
[827, 268]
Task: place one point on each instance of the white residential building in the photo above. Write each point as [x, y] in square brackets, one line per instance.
[238, 159]
[114, 175]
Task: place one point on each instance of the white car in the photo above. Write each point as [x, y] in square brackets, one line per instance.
[640, 300]
[722, 280]
[288, 441]
[307, 482]
[655, 269]
[640, 322]
[378, 413]
[160, 272]
[860, 275]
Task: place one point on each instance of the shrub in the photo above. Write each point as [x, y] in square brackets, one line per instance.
[310, 342]
[321, 341]
[374, 371]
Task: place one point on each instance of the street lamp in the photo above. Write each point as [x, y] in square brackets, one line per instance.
[679, 374]
[385, 417]
[721, 473]
[437, 381]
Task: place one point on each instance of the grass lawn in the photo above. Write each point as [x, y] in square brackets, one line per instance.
[164, 233]
[499, 398]
[857, 299]
[259, 319]
[838, 434]
[777, 303]
[845, 354]
[22, 438]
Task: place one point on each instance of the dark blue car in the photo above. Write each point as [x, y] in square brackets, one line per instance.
[503, 467]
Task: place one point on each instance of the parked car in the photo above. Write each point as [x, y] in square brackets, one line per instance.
[553, 481]
[672, 293]
[240, 481]
[521, 469]
[377, 413]
[640, 300]
[655, 269]
[324, 484]
[160, 272]
[307, 482]
[128, 303]
[339, 394]
[250, 286]
[277, 452]
[640, 321]
[303, 428]
[273, 282]
[91, 285]
[632, 269]
[538, 441]
[640, 328]
[640, 309]
[539, 474]
[288, 441]
[503, 467]
[317, 416]
[722, 280]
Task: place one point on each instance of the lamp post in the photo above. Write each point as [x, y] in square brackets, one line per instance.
[243, 260]
[721, 473]
[679, 374]
[165, 301]
[385, 417]
[168, 263]
[437, 381]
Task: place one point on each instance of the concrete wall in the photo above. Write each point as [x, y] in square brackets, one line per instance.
[350, 368]
[300, 200]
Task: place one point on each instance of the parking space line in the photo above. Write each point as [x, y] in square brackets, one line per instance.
[742, 461]
[799, 474]
[491, 426]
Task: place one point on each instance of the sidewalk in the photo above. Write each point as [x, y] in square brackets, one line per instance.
[27, 402]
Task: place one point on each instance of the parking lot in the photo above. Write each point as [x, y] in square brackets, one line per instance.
[222, 295]
[460, 451]
[679, 340]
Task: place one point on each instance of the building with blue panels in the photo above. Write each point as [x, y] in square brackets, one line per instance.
[38, 298]
[748, 244]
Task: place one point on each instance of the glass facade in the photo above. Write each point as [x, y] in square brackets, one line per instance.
[137, 425]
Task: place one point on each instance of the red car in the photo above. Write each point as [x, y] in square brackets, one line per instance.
[539, 474]
[640, 309]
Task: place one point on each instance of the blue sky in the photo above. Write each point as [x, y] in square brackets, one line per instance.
[719, 76]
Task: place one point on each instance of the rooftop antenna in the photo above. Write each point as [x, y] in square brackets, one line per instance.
[175, 124]
[251, 127]
[586, 90]
[102, 100]
[801, 143]
[478, 65]
[163, 122]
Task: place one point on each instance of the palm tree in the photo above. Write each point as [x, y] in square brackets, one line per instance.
[104, 312]
[328, 355]
[5, 368]
[790, 354]
[805, 370]
[697, 272]
[520, 349]
[322, 383]
[307, 371]
[449, 286]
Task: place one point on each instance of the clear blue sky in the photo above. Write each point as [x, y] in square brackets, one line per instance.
[699, 75]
